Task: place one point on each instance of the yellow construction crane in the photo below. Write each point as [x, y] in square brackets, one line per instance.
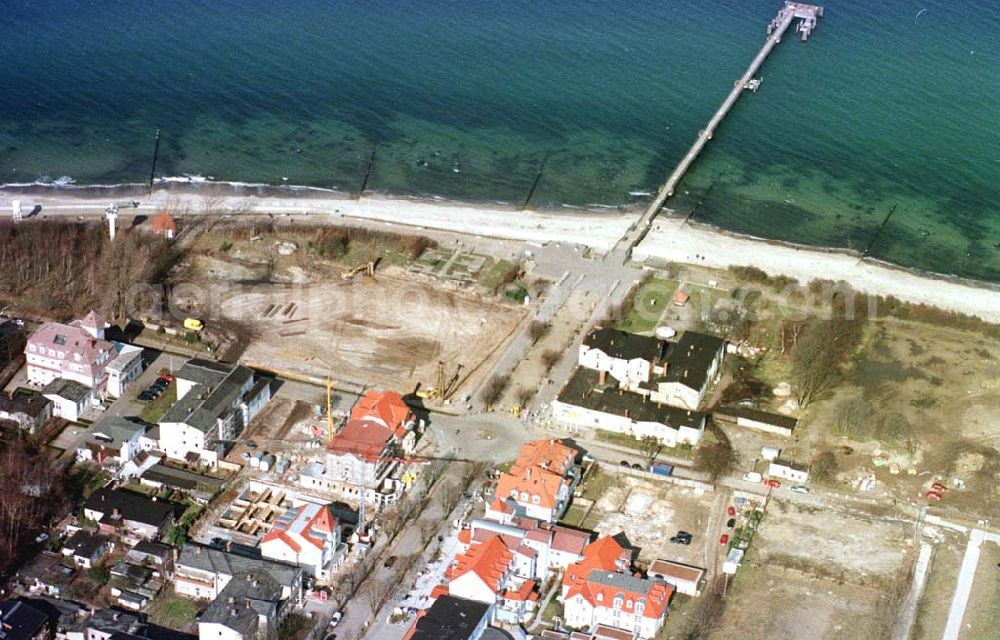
[368, 268]
[329, 409]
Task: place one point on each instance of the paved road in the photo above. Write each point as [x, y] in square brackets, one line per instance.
[966, 578]
[908, 611]
[358, 611]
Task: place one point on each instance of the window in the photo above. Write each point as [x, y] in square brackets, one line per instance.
[524, 496]
[513, 493]
[600, 597]
[536, 499]
[628, 604]
[640, 606]
[618, 601]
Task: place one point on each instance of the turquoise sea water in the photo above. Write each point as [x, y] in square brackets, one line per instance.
[886, 108]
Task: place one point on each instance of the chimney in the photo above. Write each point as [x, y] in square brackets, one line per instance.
[229, 546]
[626, 413]
[601, 377]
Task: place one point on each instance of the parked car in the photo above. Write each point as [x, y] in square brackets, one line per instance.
[625, 463]
[752, 476]
[933, 495]
[680, 540]
[940, 488]
[731, 523]
[731, 511]
[391, 560]
[166, 377]
[774, 484]
[724, 539]
[800, 488]
[636, 465]
[335, 620]
[42, 538]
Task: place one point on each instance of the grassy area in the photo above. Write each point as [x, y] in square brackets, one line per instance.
[295, 627]
[650, 301]
[598, 483]
[982, 614]
[574, 515]
[154, 410]
[171, 610]
[552, 610]
[932, 612]
[492, 275]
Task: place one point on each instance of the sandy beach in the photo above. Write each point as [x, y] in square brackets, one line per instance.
[598, 230]
[670, 240]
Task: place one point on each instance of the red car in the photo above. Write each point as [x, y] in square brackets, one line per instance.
[724, 539]
[166, 377]
[774, 484]
[940, 488]
[731, 511]
[933, 495]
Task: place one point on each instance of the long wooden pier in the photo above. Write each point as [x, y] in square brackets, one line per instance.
[808, 15]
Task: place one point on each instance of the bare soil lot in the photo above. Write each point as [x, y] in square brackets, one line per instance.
[833, 544]
[386, 332]
[650, 512]
[773, 603]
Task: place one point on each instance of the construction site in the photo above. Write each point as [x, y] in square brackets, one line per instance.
[362, 317]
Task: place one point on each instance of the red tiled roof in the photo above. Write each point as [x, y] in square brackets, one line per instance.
[604, 553]
[540, 470]
[655, 595]
[525, 592]
[489, 560]
[164, 222]
[385, 406]
[361, 438]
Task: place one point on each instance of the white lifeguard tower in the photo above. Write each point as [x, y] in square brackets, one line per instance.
[15, 210]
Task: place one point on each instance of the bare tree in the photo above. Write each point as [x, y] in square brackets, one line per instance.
[549, 359]
[493, 389]
[715, 454]
[524, 396]
[537, 330]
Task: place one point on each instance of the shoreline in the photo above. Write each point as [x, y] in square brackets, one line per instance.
[668, 240]
[673, 240]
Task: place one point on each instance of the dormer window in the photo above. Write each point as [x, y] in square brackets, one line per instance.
[524, 496]
[600, 597]
[513, 493]
[536, 499]
[618, 602]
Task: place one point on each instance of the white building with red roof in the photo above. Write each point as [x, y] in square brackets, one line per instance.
[308, 536]
[540, 548]
[370, 448]
[600, 589]
[75, 351]
[541, 480]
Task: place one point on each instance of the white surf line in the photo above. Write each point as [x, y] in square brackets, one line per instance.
[966, 576]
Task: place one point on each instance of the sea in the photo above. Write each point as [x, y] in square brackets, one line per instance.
[881, 133]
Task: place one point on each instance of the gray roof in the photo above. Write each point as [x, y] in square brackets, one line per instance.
[21, 621]
[583, 390]
[218, 387]
[132, 506]
[30, 404]
[621, 581]
[86, 544]
[230, 564]
[243, 601]
[689, 359]
[181, 478]
[450, 618]
[68, 389]
[113, 431]
[765, 417]
[624, 345]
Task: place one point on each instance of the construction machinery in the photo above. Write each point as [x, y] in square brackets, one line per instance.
[443, 388]
[368, 268]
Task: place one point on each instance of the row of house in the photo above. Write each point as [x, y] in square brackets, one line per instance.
[505, 557]
[641, 386]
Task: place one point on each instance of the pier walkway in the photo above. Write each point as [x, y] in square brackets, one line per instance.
[807, 15]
